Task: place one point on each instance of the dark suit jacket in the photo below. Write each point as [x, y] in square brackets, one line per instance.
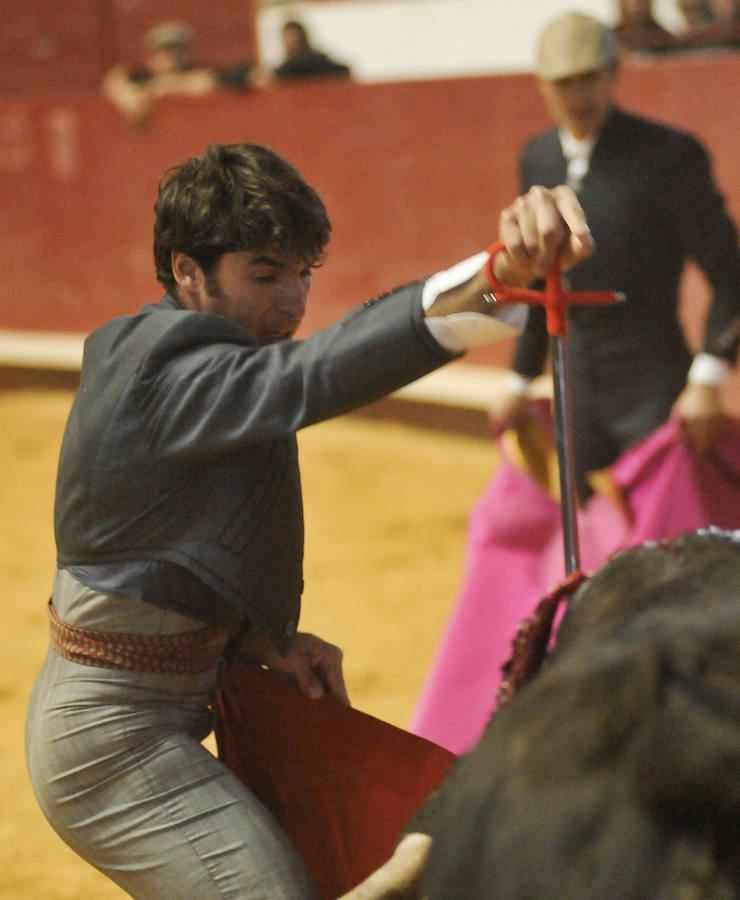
[652, 205]
[181, 447]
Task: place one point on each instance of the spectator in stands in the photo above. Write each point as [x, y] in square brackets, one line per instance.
[696, 13]
[168, 68]
[710, 24]
[302, 60]
[639, 31]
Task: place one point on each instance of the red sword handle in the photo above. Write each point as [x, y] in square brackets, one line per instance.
[554, 297]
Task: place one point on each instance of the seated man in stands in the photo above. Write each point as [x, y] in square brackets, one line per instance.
[710, 24]
[302, 60]
[168, 69]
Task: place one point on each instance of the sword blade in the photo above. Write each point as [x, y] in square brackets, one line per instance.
[566, 453]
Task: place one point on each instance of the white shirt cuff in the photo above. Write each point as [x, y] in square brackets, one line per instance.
[459, 331]
[708, 369]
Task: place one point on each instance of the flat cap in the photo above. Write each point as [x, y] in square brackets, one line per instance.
[574, 44]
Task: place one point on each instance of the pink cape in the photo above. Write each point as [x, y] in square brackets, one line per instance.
[515, 556]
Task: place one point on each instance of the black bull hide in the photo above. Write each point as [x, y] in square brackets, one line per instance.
[615, 772]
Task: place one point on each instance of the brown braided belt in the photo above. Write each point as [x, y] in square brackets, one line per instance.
[187, 653]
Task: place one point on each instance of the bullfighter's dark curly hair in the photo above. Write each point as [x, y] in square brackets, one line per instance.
[236, 197]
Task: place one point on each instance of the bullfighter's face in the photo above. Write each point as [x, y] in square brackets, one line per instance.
[263, 292]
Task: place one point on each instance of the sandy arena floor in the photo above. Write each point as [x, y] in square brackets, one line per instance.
[386, 510]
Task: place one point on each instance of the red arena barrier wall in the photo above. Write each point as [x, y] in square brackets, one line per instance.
[414, 175]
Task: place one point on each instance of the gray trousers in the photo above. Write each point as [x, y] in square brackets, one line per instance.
[118, 768]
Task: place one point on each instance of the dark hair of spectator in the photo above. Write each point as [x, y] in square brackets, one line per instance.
[300, 31]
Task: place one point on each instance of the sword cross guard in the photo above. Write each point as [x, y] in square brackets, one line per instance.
[554, 297]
